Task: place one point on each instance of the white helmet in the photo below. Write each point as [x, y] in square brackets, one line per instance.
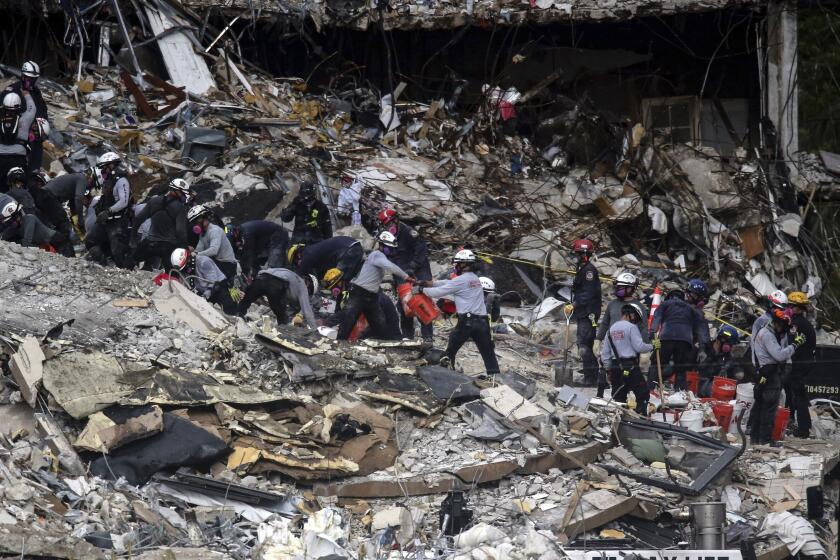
[627, 279]
[778, 299]
[108, 157]
[464, 256]
[197, 212]
[10, 209]
[315, 286]
[41, 127]
[487, 284]
[12, 101]
[30, 69]
[387, 238]
[179, 185]
[179, 258]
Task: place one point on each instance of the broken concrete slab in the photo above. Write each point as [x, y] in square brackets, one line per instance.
[85, 382]
[598, 508]
[510, 404]
[26, 366]
[106, 432]
[175, 300]
[58, 444]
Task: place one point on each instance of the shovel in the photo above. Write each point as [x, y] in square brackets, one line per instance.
[562, 375]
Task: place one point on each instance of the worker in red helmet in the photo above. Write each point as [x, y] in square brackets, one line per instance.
[586, 307]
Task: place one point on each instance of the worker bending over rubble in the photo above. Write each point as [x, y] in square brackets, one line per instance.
[26, 229]
[168, 226]
[204, 278]
[212, 241]
[258, 243]
[280, 286]
[339, 289]
[802, 363]
[586, 304]
[365, 288]
[112, 214]
[74, 189]
[311, 216]
[771, 352]
[719, 361]
[473, 323]
[332, 259]
[50, 209]
[620, 355]
[624, 288]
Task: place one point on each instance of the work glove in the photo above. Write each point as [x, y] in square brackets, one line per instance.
[799, 340]
[297, 320]
[656, 343]
[102, 217]
[594, 322]
[762, 380]
[236, 294]
[568, 309]
[626, 373]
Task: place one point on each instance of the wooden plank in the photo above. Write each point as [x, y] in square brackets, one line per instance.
[130, 303]
[185, 66]
[599, 508]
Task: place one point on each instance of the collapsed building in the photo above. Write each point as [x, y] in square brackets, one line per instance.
[664, 130]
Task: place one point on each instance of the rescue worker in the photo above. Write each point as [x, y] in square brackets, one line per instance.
[15, 181]
[771, 354]
[473, 323]
[803, 363]
[491, 298]
[113, 213]
[349, 197]
[620, 355]
[280, 286]
[27, 229]
[412, 256]
[212, 241]
[50, 209]
[29, 74]
[696, 292]
[776, 300]
[258, 243]
[586, 306]
[16, 117]
[332, 259]
[365, 288]
[719, 361]
[74, 189]
[168, 226]
[202, 276]
[311, 216]
[340, 291]
[676, 323]
[624, 288]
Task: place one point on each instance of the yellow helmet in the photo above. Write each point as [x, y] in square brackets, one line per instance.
[332, 277]
[293, 252]
[798, 298]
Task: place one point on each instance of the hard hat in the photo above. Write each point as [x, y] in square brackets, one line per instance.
[293, 251]
[307, 189]
[314, 286]
[778, 299]
[798, 298]
[41, 176]
[487, 284]
[387, 216]
[179, 185]
[196, 212]
[332, 277]
[30, 69]
[627, 279]
[583, 247]
[633, 309]
[387, 238]
[108, 158]
[728, 334]
[12, 101]
[696, 286]
[41, 128]
[16, 174]
[180, 258]
[9, 210]
[464, 256]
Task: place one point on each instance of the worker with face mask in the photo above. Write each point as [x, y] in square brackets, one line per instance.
[624, 287]
[17, 114]
[212, 240]
[203, 277]
[39, 129]
[620, 355]
[719, 361]
[168, 225]
[586, 307]
[113, 214]
[803, 363]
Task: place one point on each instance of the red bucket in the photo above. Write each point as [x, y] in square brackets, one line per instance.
[358, 328]
[723, 389]
[424, 308]
[782, 417]
[693, 380]
[723, 414]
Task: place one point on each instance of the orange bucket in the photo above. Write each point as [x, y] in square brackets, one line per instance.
[782, 417]
[693, 380]
[723, 413]
[358, 328]
[723, 389]
[404, 295]
[424, 308]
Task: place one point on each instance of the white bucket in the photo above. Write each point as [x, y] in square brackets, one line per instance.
[744, 399]
[692, 419]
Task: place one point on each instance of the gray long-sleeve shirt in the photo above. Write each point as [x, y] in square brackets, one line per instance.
[207, 276]
[297, 292]
[628, 342]
[758, 324]
[214, 243]
[70, 188]
[122, 195]
[768, 350]
[373, 271]
[612, 315]
[465, 289]
[24, 124]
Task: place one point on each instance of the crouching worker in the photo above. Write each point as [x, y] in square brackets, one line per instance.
[281, 286]
[473, 323]
[719, 361]
[203, 277]
[28, 230]
[620, 355]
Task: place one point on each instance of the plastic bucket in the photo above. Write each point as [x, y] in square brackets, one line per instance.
[723, 389]
[723, 413]
[782, 417]
[404, 295]
[693, 380]
[692, 419]
[424, 308]
[358, 328]
[744, 399]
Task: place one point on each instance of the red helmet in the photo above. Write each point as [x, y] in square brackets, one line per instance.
[387, 216]
[583, 247]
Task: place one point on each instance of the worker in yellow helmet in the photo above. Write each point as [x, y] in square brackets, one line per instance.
[802, 363]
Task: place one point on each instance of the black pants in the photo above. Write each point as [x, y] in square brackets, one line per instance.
[678, 352]
[585, 342]
[766, 394]
[350, 261]
[797, 397]
[626, 378]
[277, 247]
[477, 329]
[6, 163]
[154, 255]
[407, 325]
[274, 290]
[36, 156]
[227, 268]
[358, 302]
[114, 235]
[221, 297]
